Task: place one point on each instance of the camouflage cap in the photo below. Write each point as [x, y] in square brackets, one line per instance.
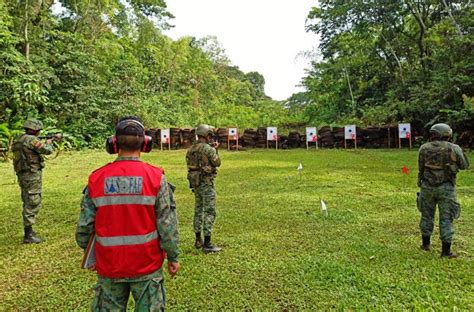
[204, 130]
[33, 124]
[442, 130]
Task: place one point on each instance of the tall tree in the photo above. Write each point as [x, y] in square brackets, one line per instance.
[393, 56]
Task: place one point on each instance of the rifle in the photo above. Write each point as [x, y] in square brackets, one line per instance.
[55, 137]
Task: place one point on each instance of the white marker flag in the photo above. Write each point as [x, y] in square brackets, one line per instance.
[165, 136]
[323, 208]
[350, 132]
[404, 131]
[233, 133]
[300, 167]
[311, 134]
[272, 134]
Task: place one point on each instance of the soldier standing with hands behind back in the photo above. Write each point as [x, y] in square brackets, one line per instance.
[202, 160]
[438, 164]
[28, 162]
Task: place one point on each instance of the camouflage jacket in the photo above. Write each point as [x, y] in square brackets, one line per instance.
[27, 153]
[166, 219]
[202, 161]
[439, 162]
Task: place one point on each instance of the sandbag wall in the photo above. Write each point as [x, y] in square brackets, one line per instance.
[179, 138]
[371, 137]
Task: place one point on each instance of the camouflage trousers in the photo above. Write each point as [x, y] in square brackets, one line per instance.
[31, 185]
[444, 196]
[205, 208]
[111, 294]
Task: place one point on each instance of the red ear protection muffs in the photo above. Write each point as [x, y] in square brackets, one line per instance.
[112, 146]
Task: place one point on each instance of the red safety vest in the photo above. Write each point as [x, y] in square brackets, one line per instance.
[127, 243]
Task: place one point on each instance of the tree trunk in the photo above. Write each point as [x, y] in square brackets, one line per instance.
[392, 51]
[25, 32]
[350, 90]
[421, 37]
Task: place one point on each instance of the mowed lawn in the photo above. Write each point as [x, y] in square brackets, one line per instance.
[280, 252]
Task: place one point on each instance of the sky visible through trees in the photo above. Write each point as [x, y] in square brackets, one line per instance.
[270, 40]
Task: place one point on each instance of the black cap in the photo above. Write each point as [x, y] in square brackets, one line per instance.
[129, 125]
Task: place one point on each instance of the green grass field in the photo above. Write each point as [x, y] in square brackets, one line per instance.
[280, 253]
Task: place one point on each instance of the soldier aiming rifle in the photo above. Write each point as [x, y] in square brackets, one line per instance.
[28, 162]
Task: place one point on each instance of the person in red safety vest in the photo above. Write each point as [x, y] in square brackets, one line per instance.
[128, 207]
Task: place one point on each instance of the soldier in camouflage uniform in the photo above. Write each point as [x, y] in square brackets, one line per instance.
[112, 294]
[202, 160]
[28, 162]
[438, 164]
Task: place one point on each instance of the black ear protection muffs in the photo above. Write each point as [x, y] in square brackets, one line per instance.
[112, 146]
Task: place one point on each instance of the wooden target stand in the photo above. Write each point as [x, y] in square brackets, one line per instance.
[316, 143]
[169, 144]
[354, 138]
[233, 138]
[407, 138]
[311, 137]
[276, 143]
[167, 139]
[272, 133]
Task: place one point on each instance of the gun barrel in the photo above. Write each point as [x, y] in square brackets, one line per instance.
[54, 137]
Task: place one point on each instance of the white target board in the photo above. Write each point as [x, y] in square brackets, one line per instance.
[350, 132]
[404, 131]
[311, 134]
[272, 134]
[233, 134]
[165, 136]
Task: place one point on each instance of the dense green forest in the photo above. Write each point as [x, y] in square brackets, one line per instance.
[81, 65]
[78, 65]
[386, 61]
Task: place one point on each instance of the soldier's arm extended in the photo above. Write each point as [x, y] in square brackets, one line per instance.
[85, 226]
[38, 146]
[167, 221]
[462, 161]
[213, 157]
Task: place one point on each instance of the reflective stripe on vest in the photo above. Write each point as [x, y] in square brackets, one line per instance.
[124, 200]
[127, 240]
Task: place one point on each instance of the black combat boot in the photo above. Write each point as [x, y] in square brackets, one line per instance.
[208, 247]
[198, 243]
[30, 236]
[426, 243]
[446, 251]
